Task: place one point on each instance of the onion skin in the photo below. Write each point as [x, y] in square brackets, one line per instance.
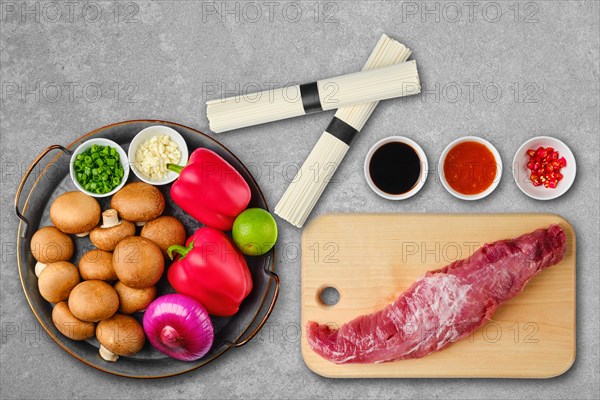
[179, 326]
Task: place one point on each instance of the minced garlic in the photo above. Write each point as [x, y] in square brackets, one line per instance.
[152, 157]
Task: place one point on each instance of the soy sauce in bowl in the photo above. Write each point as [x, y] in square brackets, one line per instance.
[396, 168]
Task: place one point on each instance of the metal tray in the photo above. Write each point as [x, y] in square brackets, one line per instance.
[52, 179]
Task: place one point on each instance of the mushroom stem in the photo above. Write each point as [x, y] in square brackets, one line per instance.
[82, 234]
[39, 267]
[110, 218]
[140, 223]
[107, 354]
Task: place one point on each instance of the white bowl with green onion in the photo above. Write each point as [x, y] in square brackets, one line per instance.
[99, 167]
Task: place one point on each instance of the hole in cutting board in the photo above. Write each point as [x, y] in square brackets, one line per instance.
[328, 296]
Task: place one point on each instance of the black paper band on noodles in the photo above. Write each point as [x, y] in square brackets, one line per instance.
[341, 130]
[310, 97]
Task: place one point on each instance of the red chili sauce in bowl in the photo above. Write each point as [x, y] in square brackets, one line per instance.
[470, 168]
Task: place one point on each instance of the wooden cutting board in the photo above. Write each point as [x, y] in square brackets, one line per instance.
[371, 258]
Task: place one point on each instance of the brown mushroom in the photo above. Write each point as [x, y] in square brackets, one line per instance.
[112, 231]
[75, 213]
[93, 301]
[133, 300]
[97, 265]
[165, 231]
[120, 335]
[138, 262]
[138, 202]
[50, 245]
[69, 325]
[57, 281]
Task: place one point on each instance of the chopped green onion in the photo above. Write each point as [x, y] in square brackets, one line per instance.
[98, 169]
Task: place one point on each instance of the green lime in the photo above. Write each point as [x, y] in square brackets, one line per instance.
[254, 231]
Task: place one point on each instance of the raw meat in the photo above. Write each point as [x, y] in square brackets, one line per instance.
[445, 305]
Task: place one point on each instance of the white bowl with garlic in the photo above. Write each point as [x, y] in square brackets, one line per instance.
[152, 149]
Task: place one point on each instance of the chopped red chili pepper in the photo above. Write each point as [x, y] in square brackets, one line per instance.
[545, 165]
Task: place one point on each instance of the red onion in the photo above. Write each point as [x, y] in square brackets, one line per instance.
[179, 326]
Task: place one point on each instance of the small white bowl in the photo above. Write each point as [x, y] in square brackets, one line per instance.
[521, 173]
[146, 134]
[422, 176]
[494, 184]
[100, 142]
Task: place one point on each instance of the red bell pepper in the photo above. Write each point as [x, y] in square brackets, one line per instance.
[211, 270]
[210, 189]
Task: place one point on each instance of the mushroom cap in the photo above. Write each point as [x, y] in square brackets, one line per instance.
[75, 212]
[165, 231]
[138, 262]
[97, 265]
[121, 334]
[50, 245]
[69, 325]
[93, 301]
[133, 300]
[108, 238]
[57, 281]
[138, 202]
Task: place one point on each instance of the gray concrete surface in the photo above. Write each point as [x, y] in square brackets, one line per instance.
[503, 70]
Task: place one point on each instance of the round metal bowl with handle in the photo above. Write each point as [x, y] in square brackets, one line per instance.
[47, 178]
